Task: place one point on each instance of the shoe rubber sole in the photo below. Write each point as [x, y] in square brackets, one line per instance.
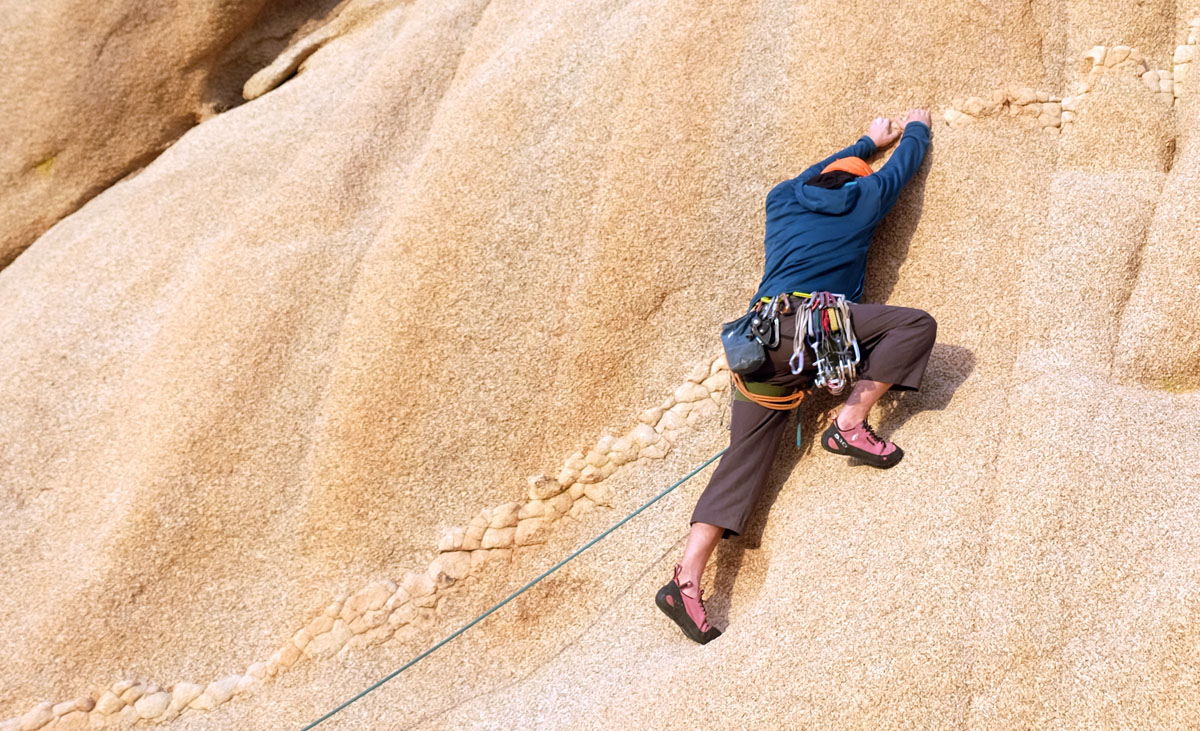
[833, 442]
[678, 614]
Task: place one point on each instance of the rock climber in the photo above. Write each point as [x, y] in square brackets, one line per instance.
[818, 229]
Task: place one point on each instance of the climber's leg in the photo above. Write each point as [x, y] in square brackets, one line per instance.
[895, 343]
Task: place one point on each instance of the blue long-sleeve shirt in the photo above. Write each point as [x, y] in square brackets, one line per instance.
[817, 238]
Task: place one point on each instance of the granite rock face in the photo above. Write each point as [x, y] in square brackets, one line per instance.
[91, 92]
[349, 362]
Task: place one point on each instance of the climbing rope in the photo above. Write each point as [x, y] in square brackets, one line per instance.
[515, 594]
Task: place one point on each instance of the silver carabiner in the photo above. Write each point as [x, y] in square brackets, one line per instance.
[797, 355]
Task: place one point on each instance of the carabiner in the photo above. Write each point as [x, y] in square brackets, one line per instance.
[797, 355]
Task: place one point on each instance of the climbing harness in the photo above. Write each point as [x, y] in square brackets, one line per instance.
[515, 594]
[767, 395]
[776, 398]
[824, 326]
[765, 324]
[770, 396]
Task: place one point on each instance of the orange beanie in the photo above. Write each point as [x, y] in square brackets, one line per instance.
[854, 165]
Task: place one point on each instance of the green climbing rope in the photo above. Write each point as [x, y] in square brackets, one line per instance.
[515, 594]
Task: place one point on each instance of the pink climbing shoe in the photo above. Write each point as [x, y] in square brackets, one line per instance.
[686, 611]
[862, 442]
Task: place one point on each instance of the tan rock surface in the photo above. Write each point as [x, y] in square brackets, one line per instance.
[328, 327]
[90, 92]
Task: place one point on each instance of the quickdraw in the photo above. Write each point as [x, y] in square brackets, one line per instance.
[823, 324]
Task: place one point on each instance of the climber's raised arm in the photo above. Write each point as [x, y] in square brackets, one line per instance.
[903, 164]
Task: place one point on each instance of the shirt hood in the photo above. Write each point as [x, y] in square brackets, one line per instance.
[832, 202]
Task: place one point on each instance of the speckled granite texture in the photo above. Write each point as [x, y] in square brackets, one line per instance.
[349, 362]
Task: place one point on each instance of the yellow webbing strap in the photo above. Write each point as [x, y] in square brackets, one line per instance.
[805, 295]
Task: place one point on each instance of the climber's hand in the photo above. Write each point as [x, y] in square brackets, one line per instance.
[882, 133]
[917, 115]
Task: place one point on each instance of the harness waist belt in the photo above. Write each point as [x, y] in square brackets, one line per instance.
[759, 388]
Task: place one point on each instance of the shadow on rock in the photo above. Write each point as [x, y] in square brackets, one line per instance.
[893, 238]
[949, 366]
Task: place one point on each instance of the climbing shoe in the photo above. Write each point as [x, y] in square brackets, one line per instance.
[686, 611]
[861, 442]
